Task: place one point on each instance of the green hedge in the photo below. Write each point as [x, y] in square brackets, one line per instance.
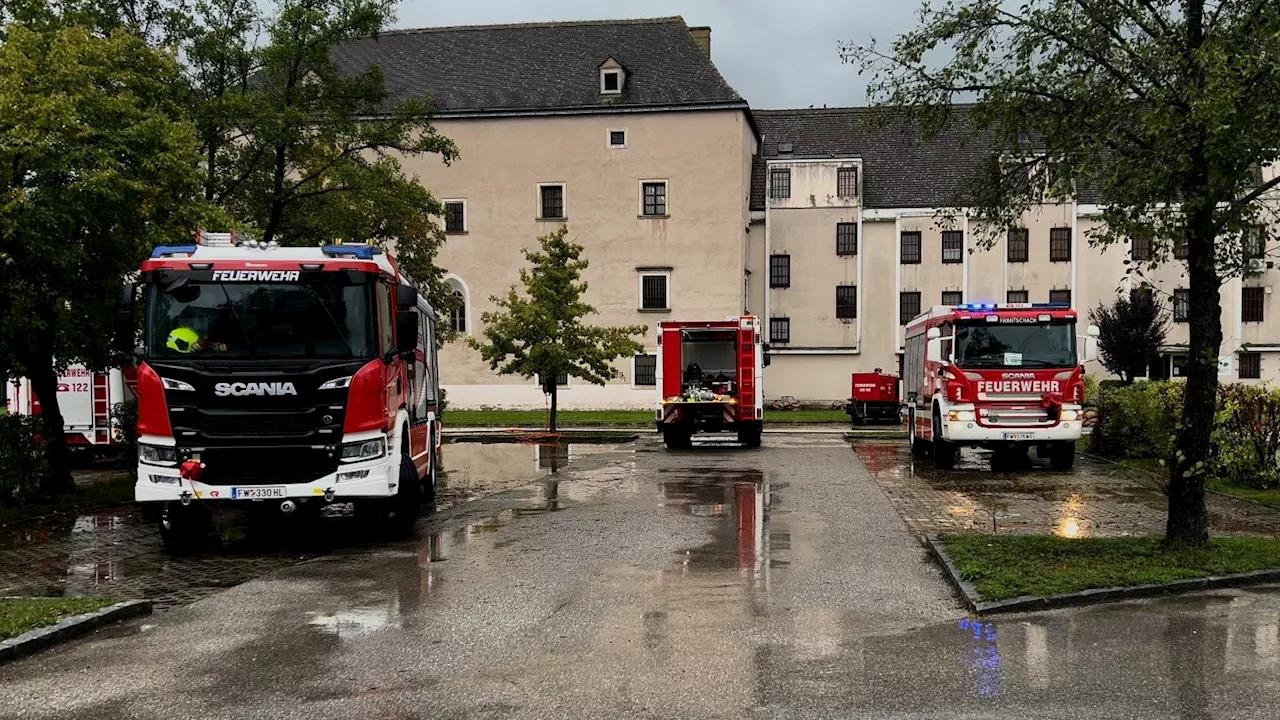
[23, 466]
[1137, 421]
[1247, 436]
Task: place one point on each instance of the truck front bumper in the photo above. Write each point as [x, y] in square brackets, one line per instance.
[972, 432]
[369, 479]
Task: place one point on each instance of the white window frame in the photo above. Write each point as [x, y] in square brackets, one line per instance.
[466, 216]
[564, 201]
[456, 283]
[608, 138]
[611, 71]
[640, 276]
[667, 197]
[654, 355]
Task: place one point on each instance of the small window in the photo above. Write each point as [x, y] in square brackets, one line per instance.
[1254, 243]
[1181, 248]
[1060, 296]
[1017, 296]
[847, 182]
[1252, 304]
[551, 202]
[646, 370]
[611, 81]
[458, 318]
[951, 298]
[846, 302]
[1142, 250]
[779, 330]
[1060, 245]
[780, 184]
[910, 248]
[952, 246]
[653, 199]
[617, 138]
[455, 216]
[1019, 245]
[1181, 305]
[846, 238]
[779, 271]
[655, 292]
[1250, 365]
[908, 306]
[562, 380]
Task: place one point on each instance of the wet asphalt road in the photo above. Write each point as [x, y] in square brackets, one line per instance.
[715, 583]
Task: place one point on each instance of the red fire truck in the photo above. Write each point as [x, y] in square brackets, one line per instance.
[709, 379]
[284, 377]
[1006, 377]
[86, 400]
[873, 396]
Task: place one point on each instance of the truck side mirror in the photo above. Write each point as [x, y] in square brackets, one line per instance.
[406, 331]
[766, 355]
[125, 331]
[933, 351]
[406, 296]
[1090, 349]
[1093, 331]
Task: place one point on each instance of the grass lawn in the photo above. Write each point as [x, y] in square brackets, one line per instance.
[610, 418]
[22, 614]
[1006, 566]
[1266, 497]
[114, 491]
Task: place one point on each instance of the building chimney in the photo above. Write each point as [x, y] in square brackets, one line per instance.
[702, 34]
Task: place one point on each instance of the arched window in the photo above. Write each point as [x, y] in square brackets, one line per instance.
[458, 319]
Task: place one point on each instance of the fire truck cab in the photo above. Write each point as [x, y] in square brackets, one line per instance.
[1001, 376]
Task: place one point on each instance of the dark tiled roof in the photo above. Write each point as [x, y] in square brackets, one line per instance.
[900, 168]
[544, 66]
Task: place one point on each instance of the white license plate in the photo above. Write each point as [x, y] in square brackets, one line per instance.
[1018, 436]
[257, 493]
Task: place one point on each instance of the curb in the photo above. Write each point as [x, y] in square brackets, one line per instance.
[1028, 603]
[75, 626]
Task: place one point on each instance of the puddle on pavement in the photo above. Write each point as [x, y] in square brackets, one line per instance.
[745, 537]
[471, 470]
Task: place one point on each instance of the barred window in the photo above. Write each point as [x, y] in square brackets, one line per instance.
[1250, 365]
[951, 298]
[952, 246]
[654, 293]
[847, 182]
[646, 370]
[1181, 247]
[910, 248]
[780, 184]
[908, 306]
[1254, 243]
[779, 271]
[846, 302]
[846, 238]
[1060, 245]
[779, 330]
[455, 216]
[552, 197]
[1142, 250]
[1017, 296]
[1019, 245]
[1060, 296]
[1181, 305]
[1252, 304]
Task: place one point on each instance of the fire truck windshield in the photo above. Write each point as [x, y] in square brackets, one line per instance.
[1000, 345]
[209, 320]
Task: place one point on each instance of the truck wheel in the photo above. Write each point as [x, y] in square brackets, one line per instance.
[1062, 456]
[184, 528]
[394, 517]
[944, 453]
[677, 438]
[918, 446]
[749, 437]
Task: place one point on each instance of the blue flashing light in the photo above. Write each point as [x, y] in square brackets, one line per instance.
[359, 252]
[167, 250]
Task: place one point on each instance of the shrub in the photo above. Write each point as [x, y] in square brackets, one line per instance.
[442, 403]
[1246, 437]
[1139, 420]
[124, 422]
[23, 466]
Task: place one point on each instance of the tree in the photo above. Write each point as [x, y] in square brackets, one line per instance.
[1164, 109]
[97, 164]
[1132, 329]
[302, 149]
[543, 334]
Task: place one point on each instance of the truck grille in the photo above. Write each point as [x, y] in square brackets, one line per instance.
[1036, 417]
[266, 466]
[222, 424]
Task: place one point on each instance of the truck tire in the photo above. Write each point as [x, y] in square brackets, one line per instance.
[750, 436]
[677, 438]
[944, 453]
[184, 528]
[395, 516]
[1062, 455]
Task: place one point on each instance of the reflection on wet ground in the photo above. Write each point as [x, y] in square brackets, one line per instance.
[112, 552]
[1092, 499]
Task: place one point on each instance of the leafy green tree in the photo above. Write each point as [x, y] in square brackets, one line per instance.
[543, 334]
[1166, 109]
[1132, 329]
[97, 164]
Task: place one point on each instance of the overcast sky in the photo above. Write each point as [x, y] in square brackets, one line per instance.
[775, 53]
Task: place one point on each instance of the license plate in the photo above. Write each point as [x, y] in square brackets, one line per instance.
[257, 493]
[1018, 436]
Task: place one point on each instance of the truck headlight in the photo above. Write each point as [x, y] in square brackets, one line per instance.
[960, 415]
[158, 454]
[171, 384]
[336, 383]
[363, 450]
[1070, 415]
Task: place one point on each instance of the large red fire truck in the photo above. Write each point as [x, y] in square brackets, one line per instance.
[1006, 377]
[710, 379]
[284, 377]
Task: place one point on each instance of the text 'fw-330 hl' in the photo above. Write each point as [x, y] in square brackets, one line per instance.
[285, 377]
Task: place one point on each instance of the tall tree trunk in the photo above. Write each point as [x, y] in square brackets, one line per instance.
[44, 381]
[277, 197]
[555, 389]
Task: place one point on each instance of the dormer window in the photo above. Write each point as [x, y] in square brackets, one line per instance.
[612, 76]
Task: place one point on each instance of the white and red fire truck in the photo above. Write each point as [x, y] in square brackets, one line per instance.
[1006, 377]
[710, 379]
[289, 377]
[86, 400]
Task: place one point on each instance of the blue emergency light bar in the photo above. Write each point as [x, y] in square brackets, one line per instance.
[359, 252]
[1014, 306]
[167, 250]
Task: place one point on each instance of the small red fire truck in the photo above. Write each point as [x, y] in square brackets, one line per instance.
[86, 400]
[873, 396]
[1006, 377]
[709, 379]
[287, 377]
